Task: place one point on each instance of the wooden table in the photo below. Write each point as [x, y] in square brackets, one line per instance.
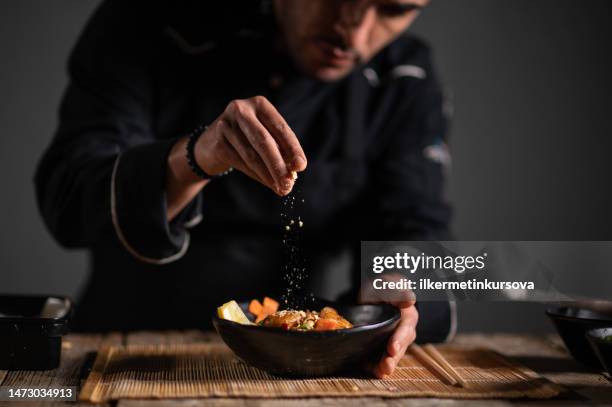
[544, 354]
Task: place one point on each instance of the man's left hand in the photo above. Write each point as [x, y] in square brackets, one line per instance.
[404, 335]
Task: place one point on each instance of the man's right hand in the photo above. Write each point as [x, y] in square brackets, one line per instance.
[252, 137]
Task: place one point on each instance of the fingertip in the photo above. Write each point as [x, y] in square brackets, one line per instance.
[379, 368]
[286, 185]
[389, 365]
[281, 191]
[299, 163]
[377, 372]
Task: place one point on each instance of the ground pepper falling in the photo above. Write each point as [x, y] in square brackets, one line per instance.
[295, 273]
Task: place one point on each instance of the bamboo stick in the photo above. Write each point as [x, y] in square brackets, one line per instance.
[438, 357]
[431, 364]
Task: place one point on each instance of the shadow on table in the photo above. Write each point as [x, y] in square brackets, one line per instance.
[587, 392]
[543, 364]
[90, 358]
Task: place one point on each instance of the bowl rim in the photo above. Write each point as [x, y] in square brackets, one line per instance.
[556, 312]
[592, 335]
[361, 328]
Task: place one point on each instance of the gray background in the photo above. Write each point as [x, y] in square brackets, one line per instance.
[530, 138]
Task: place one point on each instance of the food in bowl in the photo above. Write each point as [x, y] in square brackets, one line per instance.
[267, 315]
[327, 319]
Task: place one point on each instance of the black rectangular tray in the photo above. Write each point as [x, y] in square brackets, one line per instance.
[31, 330]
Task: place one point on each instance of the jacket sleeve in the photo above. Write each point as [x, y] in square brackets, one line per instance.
[103, 174]
[409, 176]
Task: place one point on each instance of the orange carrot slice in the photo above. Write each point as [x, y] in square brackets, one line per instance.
[270, 306]
[255, 307]
[325, 324]
[261, 311]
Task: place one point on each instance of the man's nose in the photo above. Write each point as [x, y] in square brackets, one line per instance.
[354, 19]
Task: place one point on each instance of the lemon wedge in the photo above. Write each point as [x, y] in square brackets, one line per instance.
[232, 312]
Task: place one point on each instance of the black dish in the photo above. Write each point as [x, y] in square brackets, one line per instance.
[601, 342]
[303, 354]
[31, 329]
[573, 322]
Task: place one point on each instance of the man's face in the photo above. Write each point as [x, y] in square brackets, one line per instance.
[327, 38]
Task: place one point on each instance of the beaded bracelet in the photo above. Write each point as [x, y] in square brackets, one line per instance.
[191, 160]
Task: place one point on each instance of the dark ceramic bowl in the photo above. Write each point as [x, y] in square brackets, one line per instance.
[573, 322]
[601, 342]
[303, 354]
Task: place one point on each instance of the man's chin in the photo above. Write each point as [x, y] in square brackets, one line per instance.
[331, 73]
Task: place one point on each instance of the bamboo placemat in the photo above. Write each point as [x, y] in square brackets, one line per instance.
[212, 370]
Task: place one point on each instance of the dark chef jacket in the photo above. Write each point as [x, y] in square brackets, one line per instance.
[145, 73]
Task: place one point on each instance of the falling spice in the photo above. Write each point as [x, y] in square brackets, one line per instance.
[295, 272]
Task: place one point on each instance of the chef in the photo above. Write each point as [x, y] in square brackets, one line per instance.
[185, 123]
